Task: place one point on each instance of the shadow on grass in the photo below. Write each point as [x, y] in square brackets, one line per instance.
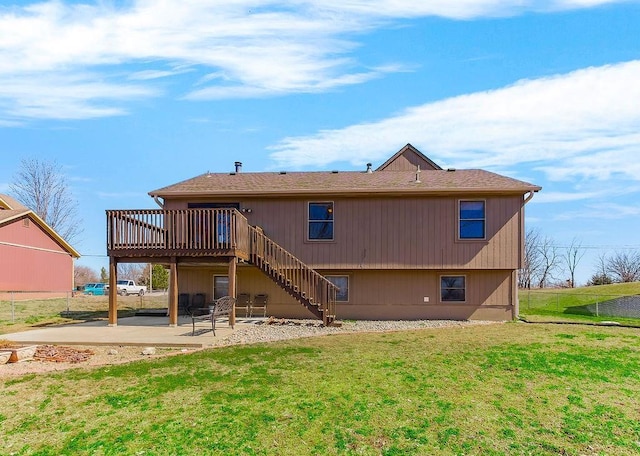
[626, 307]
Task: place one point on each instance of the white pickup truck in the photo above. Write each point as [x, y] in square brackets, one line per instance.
[127, 287]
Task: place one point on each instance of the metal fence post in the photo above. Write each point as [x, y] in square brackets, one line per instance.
[597, 311]
[13, 309]
[68, 302]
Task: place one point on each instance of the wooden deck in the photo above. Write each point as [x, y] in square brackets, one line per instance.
[206, 236]
[147, 234]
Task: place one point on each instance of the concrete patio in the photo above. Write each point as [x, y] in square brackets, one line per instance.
[135, 331]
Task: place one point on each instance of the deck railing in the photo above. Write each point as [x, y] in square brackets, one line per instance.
[166, 230]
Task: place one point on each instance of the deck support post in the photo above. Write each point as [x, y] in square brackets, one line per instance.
[232, 288]
[173, 292]
[113, 292]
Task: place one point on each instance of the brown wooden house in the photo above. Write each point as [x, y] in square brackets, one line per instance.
[33, 257]
[407, 240]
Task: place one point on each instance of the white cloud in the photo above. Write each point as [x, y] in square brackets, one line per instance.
[581, 124]
[258, 47]
[606, 211]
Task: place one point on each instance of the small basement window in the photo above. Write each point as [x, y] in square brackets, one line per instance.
[453, 288]
[342, 282]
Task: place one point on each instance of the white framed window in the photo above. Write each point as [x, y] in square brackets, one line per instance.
[342, 282]
[320, 221]
[471, 219]
[453, 288]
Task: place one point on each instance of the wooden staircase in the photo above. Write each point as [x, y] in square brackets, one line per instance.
[306, 285]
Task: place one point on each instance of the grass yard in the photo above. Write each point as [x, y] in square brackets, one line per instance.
[497, 389]
[21, 314]
[577, 304]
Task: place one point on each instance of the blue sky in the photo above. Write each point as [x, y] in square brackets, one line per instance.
[130, 96]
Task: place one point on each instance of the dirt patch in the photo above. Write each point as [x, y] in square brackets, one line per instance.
[49, 358]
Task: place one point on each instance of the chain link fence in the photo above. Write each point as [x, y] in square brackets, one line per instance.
[45, 307]
[598, 305]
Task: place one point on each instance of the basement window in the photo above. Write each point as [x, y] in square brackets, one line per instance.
[220, 286]
[320, 221]
[342, 282]
[453, 288]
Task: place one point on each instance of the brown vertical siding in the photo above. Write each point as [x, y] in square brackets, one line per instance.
[392, 233]
[376, 295]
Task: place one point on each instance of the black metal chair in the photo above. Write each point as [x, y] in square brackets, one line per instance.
[220, 308]
[183, 303]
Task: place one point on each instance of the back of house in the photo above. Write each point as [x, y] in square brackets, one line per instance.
[408, 240]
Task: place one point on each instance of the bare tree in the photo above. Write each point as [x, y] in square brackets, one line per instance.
[601, 276]
[624, 266]
[131, 271]
[84, 274]
[530, 261]
[571, 257]
[541, 260]
[549, 260]
[41, 186]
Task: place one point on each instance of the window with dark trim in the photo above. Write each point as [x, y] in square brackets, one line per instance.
[320, 221]
[453, 288]
[220, 286]
[342, 282]
[472, 219]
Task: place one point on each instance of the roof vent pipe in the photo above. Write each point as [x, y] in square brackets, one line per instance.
[369, 170]
[238, 167]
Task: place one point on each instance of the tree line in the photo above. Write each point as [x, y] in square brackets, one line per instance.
[546, 264]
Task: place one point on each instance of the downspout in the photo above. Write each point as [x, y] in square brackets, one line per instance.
[514, 277]
[526, 198]
[156, 198]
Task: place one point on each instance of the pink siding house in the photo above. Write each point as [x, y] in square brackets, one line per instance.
[33, 257]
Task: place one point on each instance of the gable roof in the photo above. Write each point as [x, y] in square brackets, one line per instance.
[11, 209]
[407, 159]
[345, 183]
[9, 203]
[392, 178]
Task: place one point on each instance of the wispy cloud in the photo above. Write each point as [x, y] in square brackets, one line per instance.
[82, 51]
[576, 125]
[607, 211]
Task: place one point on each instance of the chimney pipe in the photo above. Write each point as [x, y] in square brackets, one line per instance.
[369, 168]
[238, 167]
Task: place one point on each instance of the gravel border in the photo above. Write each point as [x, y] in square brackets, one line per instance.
[260, 332]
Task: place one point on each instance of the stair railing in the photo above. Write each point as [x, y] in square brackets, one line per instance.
[311, 288]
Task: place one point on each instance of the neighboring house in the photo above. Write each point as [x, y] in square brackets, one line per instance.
[33, 257]
[408, 240]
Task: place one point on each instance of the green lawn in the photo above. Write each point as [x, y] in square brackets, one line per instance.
[565, 304]
[507, 389]
[19, 314]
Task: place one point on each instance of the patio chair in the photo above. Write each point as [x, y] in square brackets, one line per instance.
[220, 308]
[244, 302]
[260, 304]
[183, 303]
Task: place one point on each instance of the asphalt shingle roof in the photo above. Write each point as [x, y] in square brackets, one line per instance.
[345, 182]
